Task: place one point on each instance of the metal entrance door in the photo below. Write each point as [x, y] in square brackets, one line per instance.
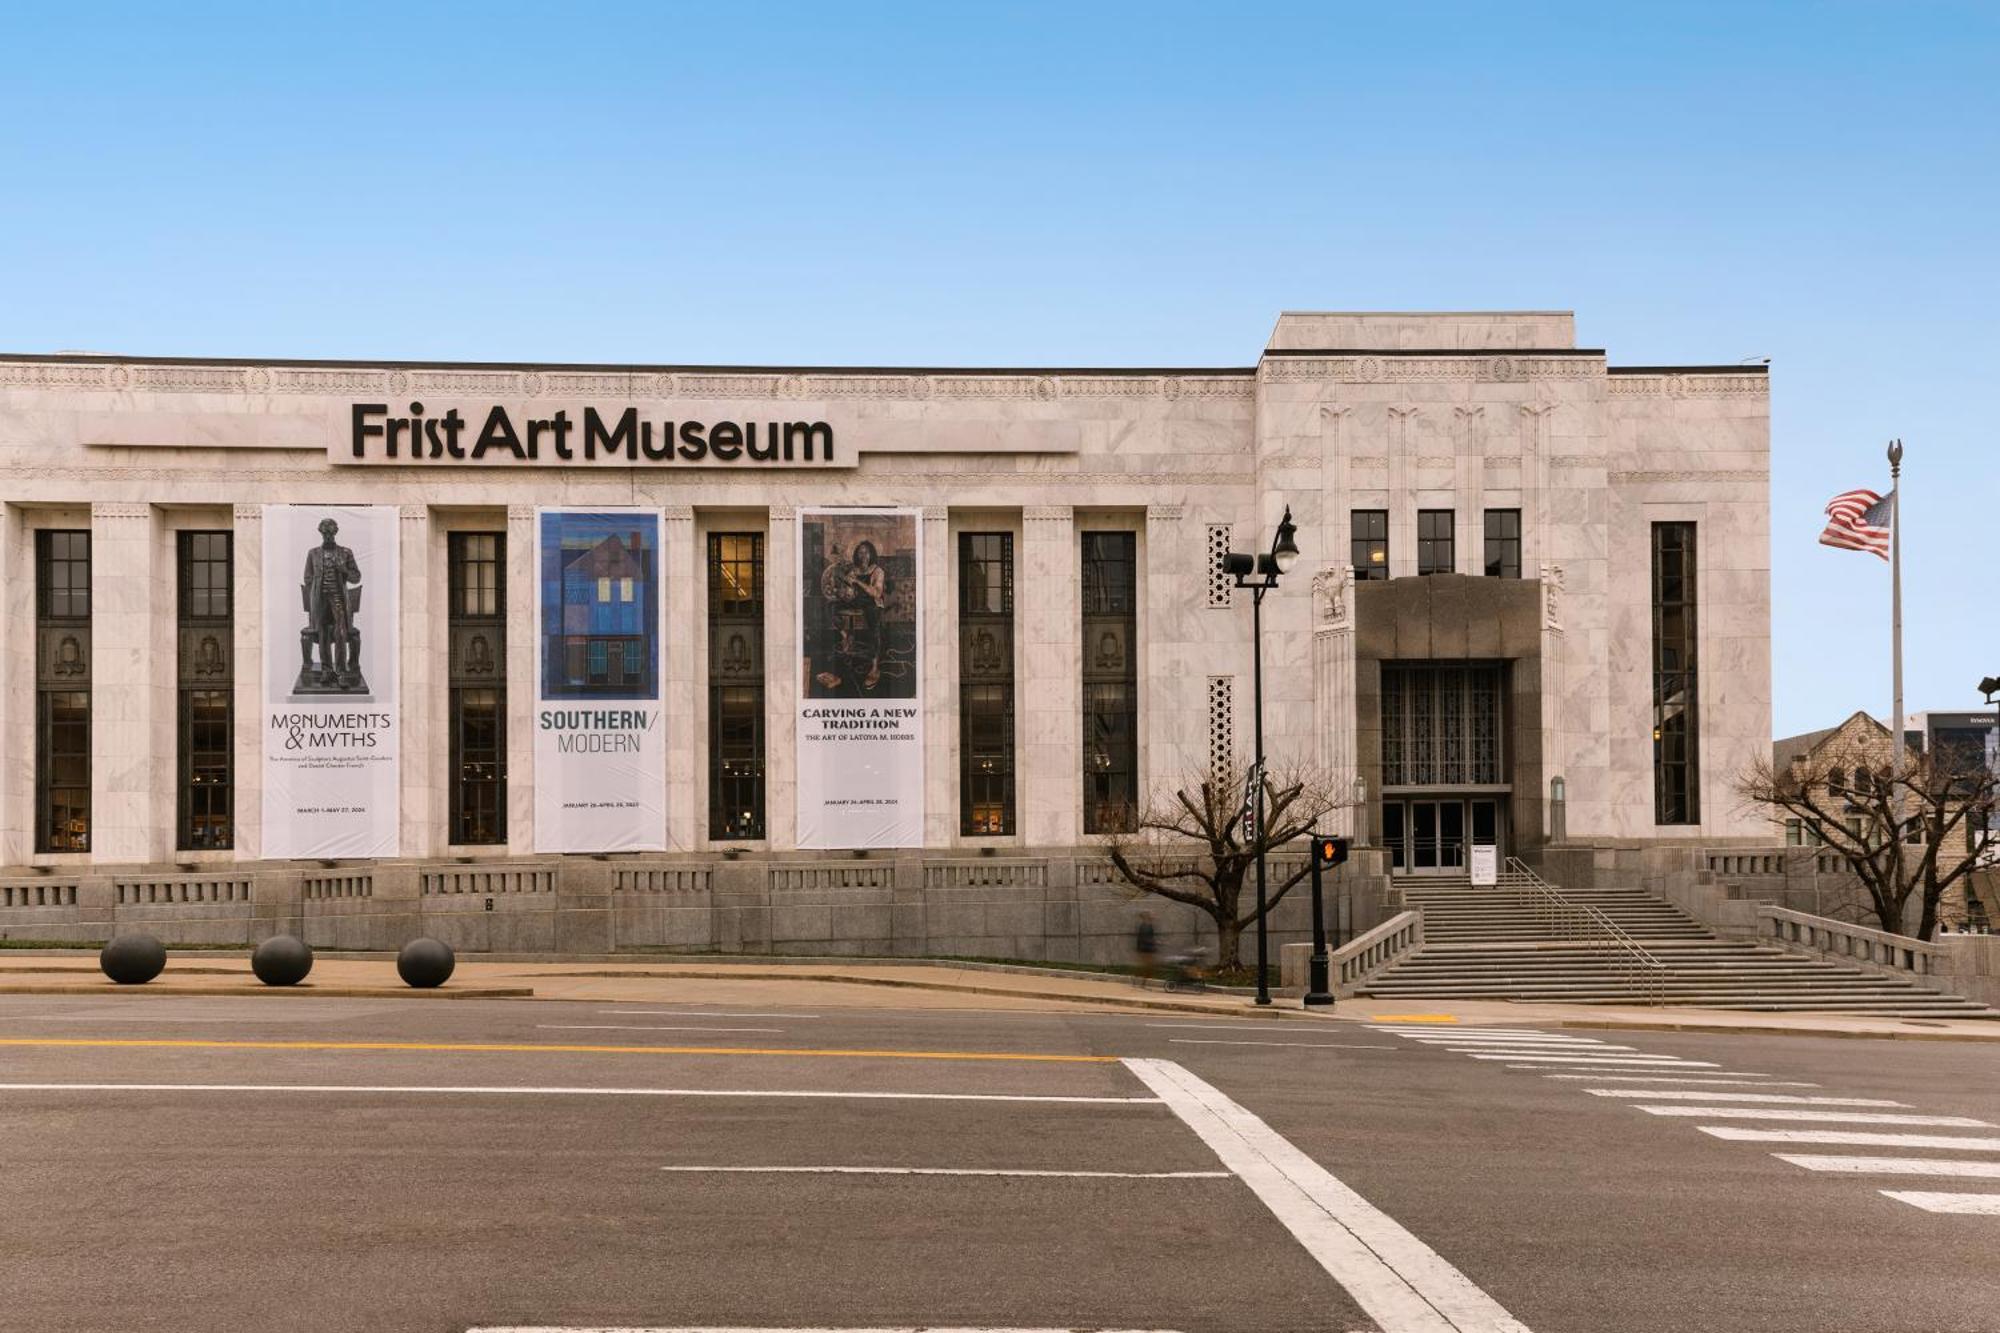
[1437, 837]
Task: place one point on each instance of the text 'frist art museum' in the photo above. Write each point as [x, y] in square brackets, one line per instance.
[871, 660]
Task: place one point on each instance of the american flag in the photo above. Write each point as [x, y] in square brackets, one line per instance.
[1858, 521]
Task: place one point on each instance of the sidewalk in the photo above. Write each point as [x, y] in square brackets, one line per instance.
[884, 985]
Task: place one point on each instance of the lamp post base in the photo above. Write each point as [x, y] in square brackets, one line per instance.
[1317, 993]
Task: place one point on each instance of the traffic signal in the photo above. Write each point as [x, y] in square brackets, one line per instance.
[1329, 851]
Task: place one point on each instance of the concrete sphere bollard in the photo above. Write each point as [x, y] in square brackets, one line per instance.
[425, 962]
[132, 960]
[282, 960]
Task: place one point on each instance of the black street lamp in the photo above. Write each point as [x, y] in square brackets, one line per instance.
[1260, 574]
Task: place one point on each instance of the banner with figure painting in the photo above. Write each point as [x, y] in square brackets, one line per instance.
[600, 726]
[330, 723]
[860, 734]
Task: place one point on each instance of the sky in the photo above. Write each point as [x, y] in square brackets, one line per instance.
[1075, 184]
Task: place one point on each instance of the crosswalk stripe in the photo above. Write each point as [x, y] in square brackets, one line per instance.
[1825, 1117]
[1987, 1204]
[1717, 1078]
[1893, 1166]
[1671, 1094]
[1852, 1138]
[1657, 1061]
[1456, 1031]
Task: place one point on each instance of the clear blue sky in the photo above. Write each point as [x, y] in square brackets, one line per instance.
[1075, 183]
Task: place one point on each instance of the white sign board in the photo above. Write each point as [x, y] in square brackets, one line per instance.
[600, 725]
[330, 724]
[1485, 864]
[861, 722]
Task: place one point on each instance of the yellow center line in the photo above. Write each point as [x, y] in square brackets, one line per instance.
[540, 1047]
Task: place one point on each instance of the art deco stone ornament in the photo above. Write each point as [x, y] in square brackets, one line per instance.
[331, 593]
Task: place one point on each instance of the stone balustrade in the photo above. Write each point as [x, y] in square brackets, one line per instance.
[1844, 940]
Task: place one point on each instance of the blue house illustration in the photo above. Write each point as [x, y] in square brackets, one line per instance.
[606, 599]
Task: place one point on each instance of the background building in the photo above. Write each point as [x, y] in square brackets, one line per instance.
[1523, 567]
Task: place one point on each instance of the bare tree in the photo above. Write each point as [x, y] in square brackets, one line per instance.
[1908, 837]
[1190, 844]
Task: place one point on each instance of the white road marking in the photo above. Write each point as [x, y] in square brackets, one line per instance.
[1986, 1204]
[1669, 1094]
[1322, 1029]
[1717, 1077]
[1825, 1117]
[1533, 1048]
[1403, 1284]
[1427, 1028]
[1499, 1038]
[942, 1171]
[1315, 1045]
[1601, 1059]
[1851, 1138]
[904, 1328]
[501, 1090]
[1892, 1166]
[639, 1027]
[697, 1013]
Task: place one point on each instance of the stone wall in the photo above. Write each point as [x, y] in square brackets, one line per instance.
[1054, 909]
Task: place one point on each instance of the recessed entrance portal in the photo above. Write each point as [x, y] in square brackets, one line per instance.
[1429, 835]
[1443, 765]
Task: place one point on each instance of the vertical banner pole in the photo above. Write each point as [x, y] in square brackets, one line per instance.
[1896, 609]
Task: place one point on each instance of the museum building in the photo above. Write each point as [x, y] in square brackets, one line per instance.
[258, 611]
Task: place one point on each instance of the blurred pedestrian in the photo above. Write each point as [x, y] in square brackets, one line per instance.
[1146, 946]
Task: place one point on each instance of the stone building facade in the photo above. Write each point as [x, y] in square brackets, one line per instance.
[1523, 569]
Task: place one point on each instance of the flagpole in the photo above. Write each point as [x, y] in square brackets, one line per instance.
[1896, 604]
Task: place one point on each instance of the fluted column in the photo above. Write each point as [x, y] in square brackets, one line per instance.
[1051, 693]
[523, 686]
[683, 699]
[1333, 691]
[1171, 726]
[17, 638]
[422, 756]
[124, 692]
[781, 679]
[247, 641]
[940, 682]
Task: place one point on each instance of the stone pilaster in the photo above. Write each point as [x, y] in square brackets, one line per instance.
[122, 742]
[1051, 693]
[1333, 691]
[781, 679]
[247, 527]
[1402, 446]
[423, 754]
[684, 699]
[17, 730]
[940, 681]
[1172, 735]
[1469, 466]
[1554, 704]
[523, 590]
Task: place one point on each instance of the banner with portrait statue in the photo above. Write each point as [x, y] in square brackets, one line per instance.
[600, 723]
[860, 727]
[331, 729]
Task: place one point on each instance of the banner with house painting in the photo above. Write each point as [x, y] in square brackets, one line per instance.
[600, 726]
[332, 735]
[860, 731]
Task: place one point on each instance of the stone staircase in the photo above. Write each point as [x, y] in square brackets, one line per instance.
[1521, 941]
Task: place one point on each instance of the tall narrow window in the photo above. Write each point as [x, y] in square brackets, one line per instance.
[1503, 543]
[476, 568]
[735, 685]
[986, 683]
[206, 802]
[1110, 682]
[1370, 547]
[1436, 552]
[1676, 717]
[62, 690]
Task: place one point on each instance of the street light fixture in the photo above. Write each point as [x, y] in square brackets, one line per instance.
[1260, 574]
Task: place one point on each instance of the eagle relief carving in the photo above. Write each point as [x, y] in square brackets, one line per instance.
[1552, 587]
[1333, 590]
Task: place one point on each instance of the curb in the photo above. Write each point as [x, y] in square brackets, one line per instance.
[1762, 1030]
[303, 988]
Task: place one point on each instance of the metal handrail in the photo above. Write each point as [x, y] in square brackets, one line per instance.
[1580, 919]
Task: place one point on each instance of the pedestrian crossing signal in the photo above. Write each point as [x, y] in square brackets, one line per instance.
[1329, 851]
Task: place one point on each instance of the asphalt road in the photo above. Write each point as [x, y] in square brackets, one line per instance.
[297, 1174]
